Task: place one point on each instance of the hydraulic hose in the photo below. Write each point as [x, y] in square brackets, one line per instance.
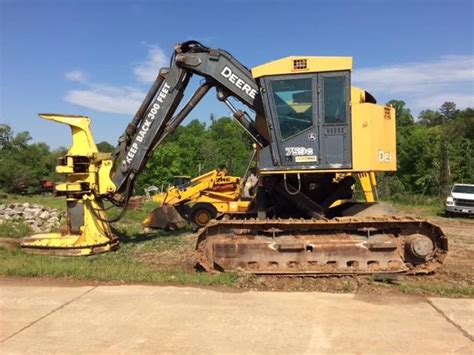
[122, 212]
[286, 185]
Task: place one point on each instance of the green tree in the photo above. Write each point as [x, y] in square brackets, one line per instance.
[403, 114]
[430, 118]
[162, 167]
[448, 111]
[465, 123]
[461, 146]
[418, 158]
[105, 147]
[22, 165]
[231, 146]
[450, 159]
[196, 148]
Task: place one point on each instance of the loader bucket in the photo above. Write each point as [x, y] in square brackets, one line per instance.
[165, 217]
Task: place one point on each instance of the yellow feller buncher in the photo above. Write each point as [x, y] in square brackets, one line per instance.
[199, 201]
[313, 132]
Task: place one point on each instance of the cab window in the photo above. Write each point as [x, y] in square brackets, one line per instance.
[334, 88]
[293, 103]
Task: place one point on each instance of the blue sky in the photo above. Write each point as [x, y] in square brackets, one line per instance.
[98, 57]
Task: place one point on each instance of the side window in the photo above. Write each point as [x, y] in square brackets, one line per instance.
[293, 103]
[334, 88]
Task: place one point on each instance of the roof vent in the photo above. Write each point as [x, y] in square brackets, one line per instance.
[300, 64]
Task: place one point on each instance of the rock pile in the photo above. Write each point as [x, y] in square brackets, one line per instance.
[41, 219]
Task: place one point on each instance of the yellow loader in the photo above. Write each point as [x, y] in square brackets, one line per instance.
[198, 201]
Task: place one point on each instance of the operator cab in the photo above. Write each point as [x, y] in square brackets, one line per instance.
[307, 105]
[181, 181]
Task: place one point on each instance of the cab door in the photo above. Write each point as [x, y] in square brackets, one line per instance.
[291, 103]
[335, 120]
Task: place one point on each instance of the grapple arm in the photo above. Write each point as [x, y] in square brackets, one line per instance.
[92, 177]
[155, 118]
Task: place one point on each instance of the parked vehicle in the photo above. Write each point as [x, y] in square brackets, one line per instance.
[461, 200]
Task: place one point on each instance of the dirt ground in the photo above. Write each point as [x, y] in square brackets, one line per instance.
[455, 277]
[459, 264]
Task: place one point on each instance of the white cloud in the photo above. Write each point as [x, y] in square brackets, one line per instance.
[436, 100]
[116, 99]
[76, 75]
[147, 71]
[106, 98]
[413, 76]
[422, 84]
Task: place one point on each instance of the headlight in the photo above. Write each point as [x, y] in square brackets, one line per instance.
[450, 201]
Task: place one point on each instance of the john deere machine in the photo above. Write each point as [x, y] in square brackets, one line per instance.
[314, 134]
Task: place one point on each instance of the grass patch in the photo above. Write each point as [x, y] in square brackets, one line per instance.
[17, 229]
[418, 205]
[437, 289]
[112, 267]
[123, 265]
[47, 201]
[423, 286]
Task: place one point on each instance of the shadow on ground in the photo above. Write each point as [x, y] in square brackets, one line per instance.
[136, 238]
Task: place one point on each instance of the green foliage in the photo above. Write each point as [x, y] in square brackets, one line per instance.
[231, 147]
[105, 147]
[119, 266]
[197, 148]
[191, 150]
[432, 153]
[418, 205]
[419, 159]
[429, 118]
[448, 111]
[454, 156]
[15, 229]
[390, 186]
[438, 289]
[403, 114]
[22, 165]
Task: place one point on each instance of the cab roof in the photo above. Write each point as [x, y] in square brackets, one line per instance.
[302, 64]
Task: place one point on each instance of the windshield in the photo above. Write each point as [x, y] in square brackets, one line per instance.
[294, 107]
[463, 189]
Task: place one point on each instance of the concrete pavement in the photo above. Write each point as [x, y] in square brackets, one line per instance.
[152, 319]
